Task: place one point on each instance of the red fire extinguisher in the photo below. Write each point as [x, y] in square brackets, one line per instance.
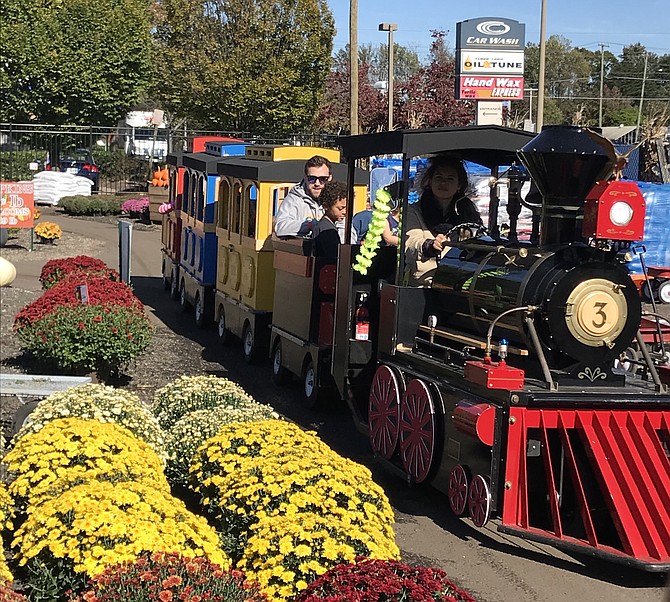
[362, 319]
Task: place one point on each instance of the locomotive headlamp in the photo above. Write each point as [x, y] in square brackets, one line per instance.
[614, 211]
[621, 213]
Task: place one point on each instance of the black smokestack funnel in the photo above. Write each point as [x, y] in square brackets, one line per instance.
[565, 162]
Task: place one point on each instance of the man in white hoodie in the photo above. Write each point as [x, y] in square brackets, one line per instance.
[300, 210]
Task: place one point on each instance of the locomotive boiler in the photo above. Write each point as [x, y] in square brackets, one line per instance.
[566, 299]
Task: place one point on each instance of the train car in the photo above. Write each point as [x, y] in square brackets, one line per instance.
[250, 192]
[198, 244]
[497, 384]
[172, 220]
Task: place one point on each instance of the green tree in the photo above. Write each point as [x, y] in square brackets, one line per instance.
[244, 65]
[73, 61]
[567, 78]
[406, 62]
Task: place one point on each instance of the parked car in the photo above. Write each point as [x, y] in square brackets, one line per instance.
[79, 162]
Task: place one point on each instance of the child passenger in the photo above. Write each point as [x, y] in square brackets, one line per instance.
[326, 236]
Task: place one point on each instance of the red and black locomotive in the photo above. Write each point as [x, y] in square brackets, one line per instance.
[499, 383]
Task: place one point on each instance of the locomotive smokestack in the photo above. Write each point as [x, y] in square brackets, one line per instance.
[565, 162]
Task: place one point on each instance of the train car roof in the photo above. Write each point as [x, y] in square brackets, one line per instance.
[176, 159]
[291, 170]
[488, 145]
[203, 162]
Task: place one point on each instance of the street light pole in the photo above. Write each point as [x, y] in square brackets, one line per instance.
[390, 27]
[353, 67]
[540, 79]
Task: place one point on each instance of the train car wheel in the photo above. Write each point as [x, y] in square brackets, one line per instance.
[310, 389]
[459, 478]
[417, 431]
[384, 412]
[250, 345]
[664, 292]
[479, 501]
[183, 302]
[280, 375]
[174, 288]
[199, 311]
[222, 331]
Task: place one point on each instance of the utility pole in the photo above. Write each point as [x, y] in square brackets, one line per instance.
[353, 66]
[602, 77]
[644, 81]
[540, 79]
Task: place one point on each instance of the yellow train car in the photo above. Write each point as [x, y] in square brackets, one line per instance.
[250, 191]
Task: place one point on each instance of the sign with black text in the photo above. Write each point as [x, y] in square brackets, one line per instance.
[490, 59]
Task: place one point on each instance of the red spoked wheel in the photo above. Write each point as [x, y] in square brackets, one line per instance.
[384, 412]
[458, 489]
[417, 430]
[479, 501]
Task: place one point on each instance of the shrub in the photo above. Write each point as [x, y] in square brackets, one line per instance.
[251, 471]
[99, 524]
[91, 205]
[150, 575]
[101, 403]
[82, 338]
[136, 208]
[55, 270]
[284, 554]
[48, 231]
[6, 508]
[101, 291]
[192, 430]
[6, 515]
[69, 451]
[190, 393]
[382, 581]
[7, 594]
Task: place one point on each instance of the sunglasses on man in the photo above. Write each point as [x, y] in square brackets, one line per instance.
[322, 179]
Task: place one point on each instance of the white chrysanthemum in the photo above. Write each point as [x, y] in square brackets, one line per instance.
[191, 393]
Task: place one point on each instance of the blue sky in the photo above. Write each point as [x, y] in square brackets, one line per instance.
[617, 23]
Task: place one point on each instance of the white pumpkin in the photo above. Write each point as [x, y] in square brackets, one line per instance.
[7, 272]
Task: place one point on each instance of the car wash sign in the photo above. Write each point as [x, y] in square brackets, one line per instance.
[490, 59]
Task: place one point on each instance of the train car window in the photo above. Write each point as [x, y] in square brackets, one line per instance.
[224, 203]
[201, 198]
[278, 195]
[251, 202]
[172, 190]
[185, 192]
[235, 208]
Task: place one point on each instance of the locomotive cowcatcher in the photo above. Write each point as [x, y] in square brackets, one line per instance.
[497, 384]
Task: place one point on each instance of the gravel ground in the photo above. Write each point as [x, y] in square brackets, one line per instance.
[169, 355]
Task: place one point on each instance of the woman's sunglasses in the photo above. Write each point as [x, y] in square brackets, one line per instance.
[322, 179]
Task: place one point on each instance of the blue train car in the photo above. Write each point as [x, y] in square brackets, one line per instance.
[197, 264]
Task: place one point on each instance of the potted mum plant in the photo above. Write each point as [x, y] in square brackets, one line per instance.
[48, 232]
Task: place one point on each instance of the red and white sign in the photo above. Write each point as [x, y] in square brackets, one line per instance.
[479, 87]
[491, 62]
[17, 203]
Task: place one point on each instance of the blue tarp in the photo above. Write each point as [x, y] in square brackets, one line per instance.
[656, 225]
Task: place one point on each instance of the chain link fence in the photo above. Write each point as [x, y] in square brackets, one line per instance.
[124, 159]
